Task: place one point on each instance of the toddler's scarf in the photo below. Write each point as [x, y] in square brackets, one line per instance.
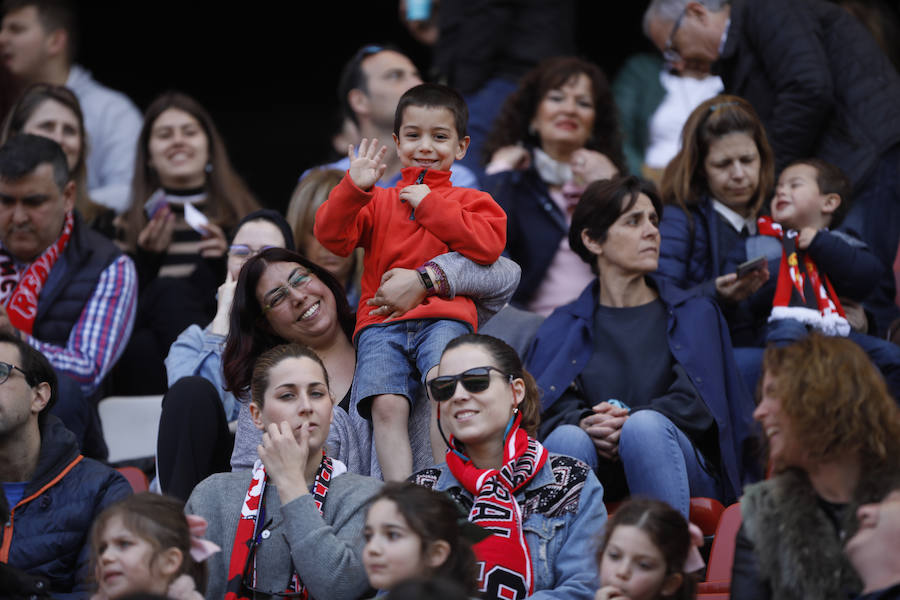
[245, 536]
[506, 563]
[801, 293]
[20, 293]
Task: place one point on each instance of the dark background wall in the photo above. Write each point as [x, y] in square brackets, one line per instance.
[268, 71]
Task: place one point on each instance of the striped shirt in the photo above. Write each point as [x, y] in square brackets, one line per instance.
[101, 332]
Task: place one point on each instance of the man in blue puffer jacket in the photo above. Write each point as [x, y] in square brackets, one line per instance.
[51, 492]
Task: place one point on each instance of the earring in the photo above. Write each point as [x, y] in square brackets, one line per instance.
[209, 167]
[515, 410]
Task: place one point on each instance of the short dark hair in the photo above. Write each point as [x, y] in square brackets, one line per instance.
[434, 95]
[23, 153]
[601, 204]
[36, 366]
[53, 15]
[831, 180]
[353, 78]
[437, 589]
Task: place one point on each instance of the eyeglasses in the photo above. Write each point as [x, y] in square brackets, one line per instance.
[670, 54]
[473, 380]
[6, 370]
[298, 278]
[245, 251]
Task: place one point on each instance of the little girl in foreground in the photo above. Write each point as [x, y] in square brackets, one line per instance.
[145, 544]
[648, 553]
[413, 532]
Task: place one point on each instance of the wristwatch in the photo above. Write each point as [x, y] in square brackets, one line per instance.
[426, 281]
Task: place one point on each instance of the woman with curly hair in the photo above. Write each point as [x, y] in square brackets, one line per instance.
[833, 433]
[555, 134]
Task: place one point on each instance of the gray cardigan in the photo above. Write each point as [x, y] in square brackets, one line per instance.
[326, 550]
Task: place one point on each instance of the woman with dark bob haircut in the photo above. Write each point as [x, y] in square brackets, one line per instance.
[658, 405]
[833, 434]
[555, 134]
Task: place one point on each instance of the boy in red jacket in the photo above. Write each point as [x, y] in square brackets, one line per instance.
[405, 226]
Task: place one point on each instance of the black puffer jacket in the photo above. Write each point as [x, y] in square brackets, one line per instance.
[818, 80]
[46, 533]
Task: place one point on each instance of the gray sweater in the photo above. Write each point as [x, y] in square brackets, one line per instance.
[326, 550]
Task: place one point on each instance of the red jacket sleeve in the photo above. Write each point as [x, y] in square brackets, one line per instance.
[473, 225]
[344, 221]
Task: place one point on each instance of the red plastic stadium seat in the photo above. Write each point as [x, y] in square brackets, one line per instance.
[721, 555]
[136, 478]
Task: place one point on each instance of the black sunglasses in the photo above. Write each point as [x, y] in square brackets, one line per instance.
[473, 380]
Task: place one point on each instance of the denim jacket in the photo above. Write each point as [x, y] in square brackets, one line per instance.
[563, 514]
[199, 352]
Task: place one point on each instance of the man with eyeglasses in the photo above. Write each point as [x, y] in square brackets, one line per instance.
[821, 86]
[67, 290]
[369, 89]
[51, 494]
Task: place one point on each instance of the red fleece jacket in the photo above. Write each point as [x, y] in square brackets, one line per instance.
[393, 235]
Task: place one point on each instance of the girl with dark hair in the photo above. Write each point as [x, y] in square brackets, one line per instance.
[554, 135]
[550, 505]
[291, 526]
[145, 544]
[194, 440]
[657, 408]
[185, 197]
[413, 532]
[648, 553]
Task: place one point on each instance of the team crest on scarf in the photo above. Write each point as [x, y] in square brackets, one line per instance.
[505, 569]
[802, 293]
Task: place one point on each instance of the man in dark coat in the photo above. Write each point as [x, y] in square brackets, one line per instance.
[51, 493]
[821, 86]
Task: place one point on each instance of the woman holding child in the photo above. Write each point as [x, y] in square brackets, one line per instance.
[554, 135]
[657, 405]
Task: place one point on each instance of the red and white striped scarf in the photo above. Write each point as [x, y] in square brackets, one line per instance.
[19, 293]
[504, 561]
[801, 293]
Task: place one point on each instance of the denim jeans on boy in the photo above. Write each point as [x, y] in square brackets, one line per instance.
[659, 459]
[394, 358]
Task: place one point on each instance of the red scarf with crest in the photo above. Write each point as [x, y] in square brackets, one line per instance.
[20, 293]
[504, 560]
[802, 293]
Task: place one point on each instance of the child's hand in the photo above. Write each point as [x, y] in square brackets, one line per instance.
[610, 592]
[284, 457]
[366, 167]
[414, 194]
[805, 237]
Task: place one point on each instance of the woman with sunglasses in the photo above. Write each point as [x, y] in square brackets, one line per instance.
[551, 506]
[292, 526]
[658, 405]
[194, 440]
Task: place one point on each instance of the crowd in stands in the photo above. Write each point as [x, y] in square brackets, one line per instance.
[497, 350]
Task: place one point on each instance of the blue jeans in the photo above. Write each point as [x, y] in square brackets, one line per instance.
[395, 357]
[661, 462]
[659, 459]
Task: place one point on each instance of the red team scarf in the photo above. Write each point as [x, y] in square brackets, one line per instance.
[245, 538]
[504, 560]
[20, 293]
[801, 293]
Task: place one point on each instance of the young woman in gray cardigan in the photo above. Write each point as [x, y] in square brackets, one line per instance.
[295, 520]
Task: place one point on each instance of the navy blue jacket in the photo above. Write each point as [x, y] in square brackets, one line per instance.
[699, 343]
[46, 533]
[535, 226]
